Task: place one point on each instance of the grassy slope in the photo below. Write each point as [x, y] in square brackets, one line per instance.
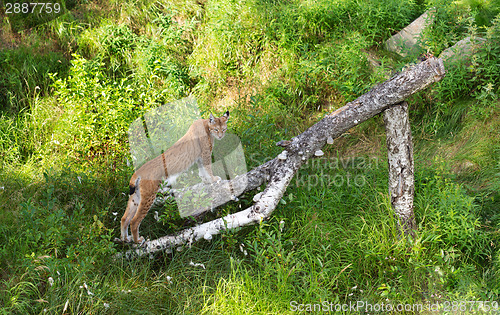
[278, 67]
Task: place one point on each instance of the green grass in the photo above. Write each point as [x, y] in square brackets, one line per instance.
[73, 84]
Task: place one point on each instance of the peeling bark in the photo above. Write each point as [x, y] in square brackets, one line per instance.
[401, 170]
[279, 172]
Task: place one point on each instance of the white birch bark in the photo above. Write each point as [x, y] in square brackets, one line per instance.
[278, 172]
[401, 170]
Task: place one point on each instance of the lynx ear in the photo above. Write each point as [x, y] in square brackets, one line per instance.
[211, 119]
[226, 114]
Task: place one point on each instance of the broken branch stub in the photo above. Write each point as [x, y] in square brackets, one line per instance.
[278, 173]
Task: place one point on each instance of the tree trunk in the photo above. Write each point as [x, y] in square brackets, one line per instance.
[401, 170]
[279, 172]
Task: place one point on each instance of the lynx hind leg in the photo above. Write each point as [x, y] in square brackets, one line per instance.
[149, 188]
[132, 205]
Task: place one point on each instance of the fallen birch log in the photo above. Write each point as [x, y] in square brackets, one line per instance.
[279, 172]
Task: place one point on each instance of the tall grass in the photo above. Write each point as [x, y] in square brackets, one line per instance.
[25, 75]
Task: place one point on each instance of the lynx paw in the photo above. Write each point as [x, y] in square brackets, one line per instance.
[140, 242]
[216, 178]
[125, 240]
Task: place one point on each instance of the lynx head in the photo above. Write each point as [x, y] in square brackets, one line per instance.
[218, 126]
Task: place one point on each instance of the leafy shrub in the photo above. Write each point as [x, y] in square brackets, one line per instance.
[117, 43]
[476, 77]
[97, 111]
[471, 85]
[378, 20]
[111, 44]
[46, 225]
[487, 71]
[334, 71]
[229, 45]
[124, 53]
[483, 11]
[54, 226]
[450, 24]
[450, 216]
[171, 72]
[347, 66]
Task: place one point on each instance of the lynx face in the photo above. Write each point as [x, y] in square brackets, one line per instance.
[218, 126]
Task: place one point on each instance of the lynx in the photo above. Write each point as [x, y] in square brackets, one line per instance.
[194, 147]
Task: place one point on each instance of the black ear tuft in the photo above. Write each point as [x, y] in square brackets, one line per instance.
[226, 114]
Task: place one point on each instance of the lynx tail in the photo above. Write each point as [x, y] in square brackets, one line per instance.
[134, 182]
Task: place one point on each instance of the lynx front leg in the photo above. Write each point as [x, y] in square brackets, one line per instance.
[205, 169]
[148, 195]
[132, 205]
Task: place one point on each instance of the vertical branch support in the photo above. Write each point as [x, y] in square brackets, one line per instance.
[401, 169]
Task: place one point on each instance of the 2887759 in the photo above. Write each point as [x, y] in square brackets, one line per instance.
[32, 7]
